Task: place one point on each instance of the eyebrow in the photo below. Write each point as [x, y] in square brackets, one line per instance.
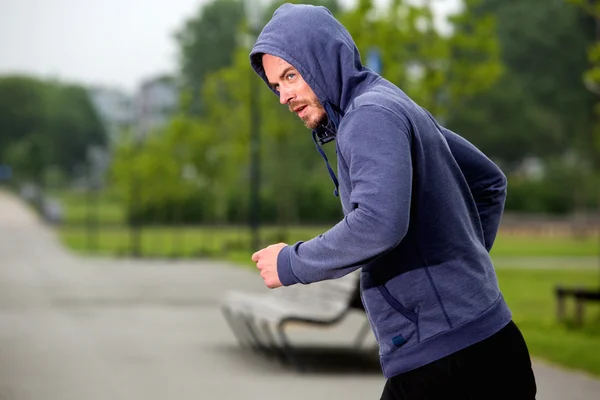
[283, 74]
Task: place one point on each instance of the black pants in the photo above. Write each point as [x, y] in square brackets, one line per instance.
[496, 368]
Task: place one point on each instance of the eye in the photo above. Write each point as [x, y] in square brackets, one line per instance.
[290, 76]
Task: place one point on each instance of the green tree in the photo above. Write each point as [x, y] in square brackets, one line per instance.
[206, 43]
[44, 124]
[439, 71]
[22, 110]
[539, 107]
[591, 80]
[72, 126]
[28, 157]
[295, 185]
[269, 9]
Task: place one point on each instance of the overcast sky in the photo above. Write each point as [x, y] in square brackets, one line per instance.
[116, 43]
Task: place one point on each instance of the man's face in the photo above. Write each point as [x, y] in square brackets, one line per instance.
[294, 91]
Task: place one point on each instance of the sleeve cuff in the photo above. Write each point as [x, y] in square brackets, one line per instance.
[284, 267]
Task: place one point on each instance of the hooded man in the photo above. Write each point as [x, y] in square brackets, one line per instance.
[422, 207]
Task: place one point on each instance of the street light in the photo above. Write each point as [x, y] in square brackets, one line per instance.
[97, 164]
[253, 17]
[594, 87]
[135, 233]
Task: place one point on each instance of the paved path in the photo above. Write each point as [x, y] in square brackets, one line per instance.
[87, 329]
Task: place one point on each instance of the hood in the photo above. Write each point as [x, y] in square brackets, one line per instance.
[320, 48]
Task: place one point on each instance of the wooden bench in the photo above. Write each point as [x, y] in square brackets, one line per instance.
[259, 320]
[580, 296]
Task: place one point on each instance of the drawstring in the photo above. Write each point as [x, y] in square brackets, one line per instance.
[329, 169]
[332, 127]
[332, 115]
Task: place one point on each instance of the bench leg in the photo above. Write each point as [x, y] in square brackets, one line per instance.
[560, 308]
[288, 351]
[253, 332]
[246, 332]
[274, 349]
[238, 331]
[579, 312]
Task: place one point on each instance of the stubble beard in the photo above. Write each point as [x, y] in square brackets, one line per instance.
[313, 121]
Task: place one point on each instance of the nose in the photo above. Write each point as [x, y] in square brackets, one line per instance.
[285, 95]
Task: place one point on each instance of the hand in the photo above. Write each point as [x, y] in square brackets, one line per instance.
[266, 262]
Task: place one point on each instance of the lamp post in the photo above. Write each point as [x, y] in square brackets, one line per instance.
[253, 11]
[96, 166]
[135, 233]
[593, 86]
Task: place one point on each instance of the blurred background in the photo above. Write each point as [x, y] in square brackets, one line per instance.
[137, 129]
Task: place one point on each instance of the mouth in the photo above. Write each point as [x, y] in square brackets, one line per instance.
[300, 110]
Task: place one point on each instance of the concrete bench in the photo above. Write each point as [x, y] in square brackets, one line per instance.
[259, 320]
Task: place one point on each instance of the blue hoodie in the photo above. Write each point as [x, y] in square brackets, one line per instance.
[421, 204]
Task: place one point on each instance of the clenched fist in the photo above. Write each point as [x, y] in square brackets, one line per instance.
[266, 262]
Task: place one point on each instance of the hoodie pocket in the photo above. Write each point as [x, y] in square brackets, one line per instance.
[393, 324]
[396, 305]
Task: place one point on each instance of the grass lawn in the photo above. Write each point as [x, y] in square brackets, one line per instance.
[217, 241]
[529, 293]
[517, 245]
[175, 241]
[166, 241]
[77, 206]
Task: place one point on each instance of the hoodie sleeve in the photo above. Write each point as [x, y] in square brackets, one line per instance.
[379, 160]
[486, 181]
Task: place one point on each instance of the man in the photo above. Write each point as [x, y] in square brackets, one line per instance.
[422, 207]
